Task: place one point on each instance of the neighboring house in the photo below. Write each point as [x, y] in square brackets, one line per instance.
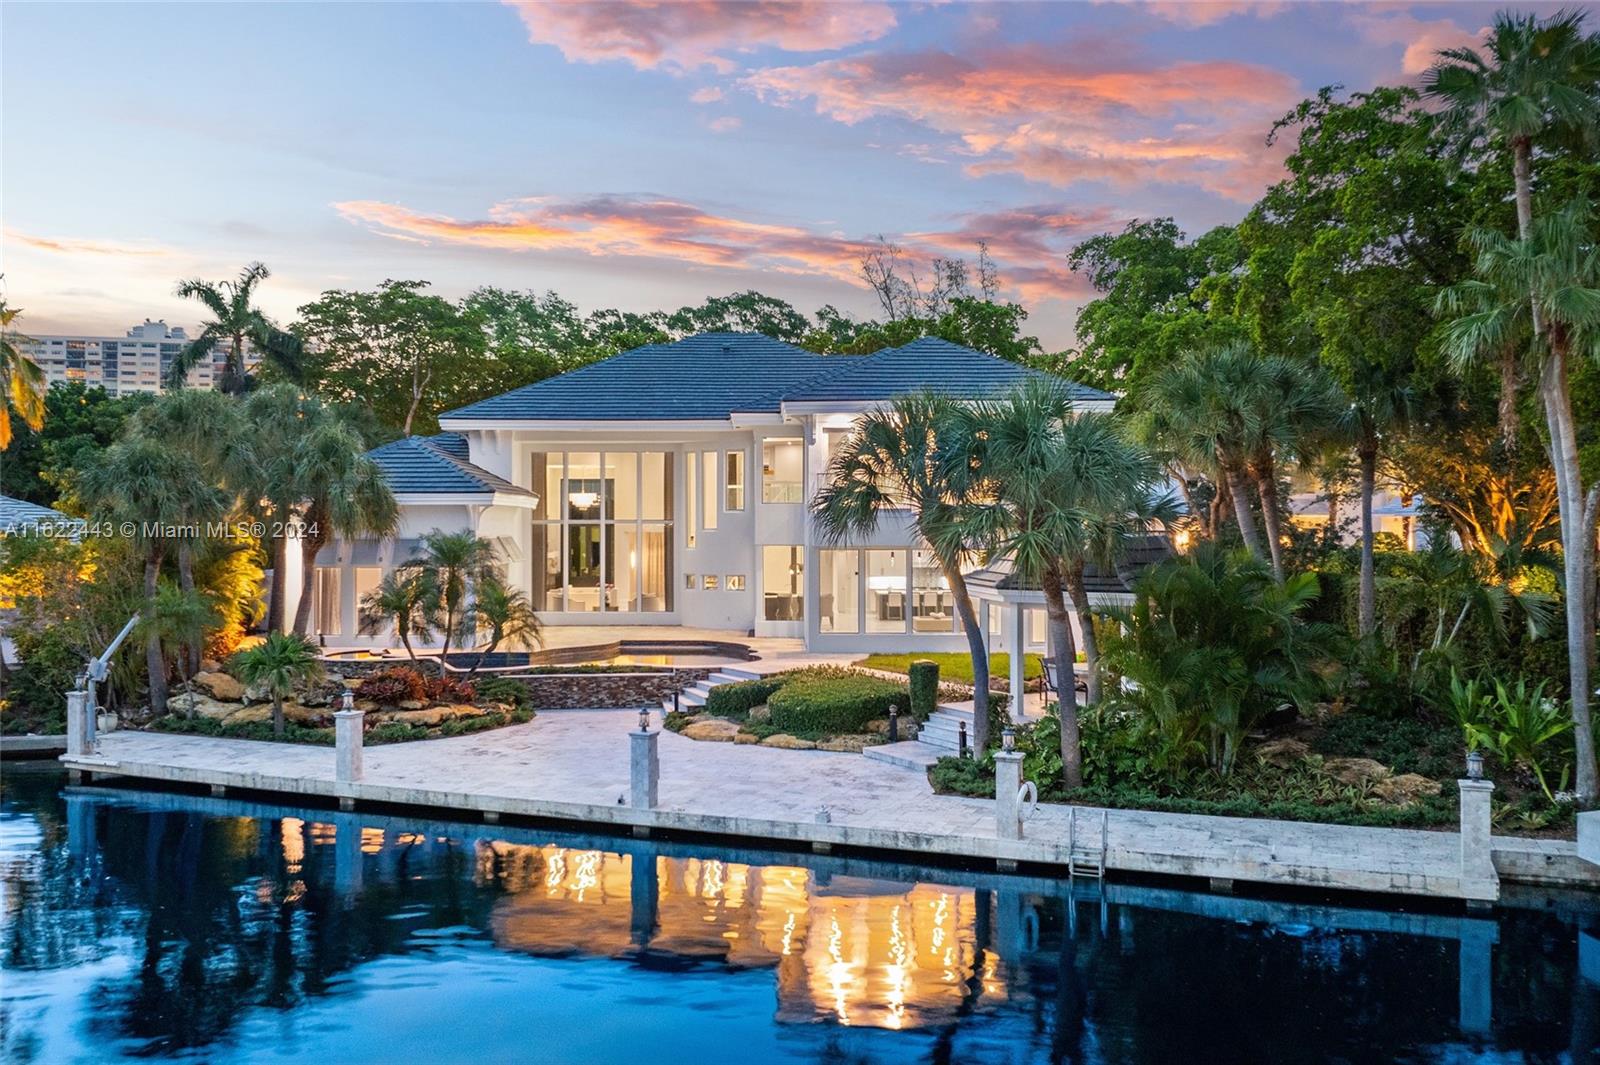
[18, 517]
[1392, 513]
[668, 486]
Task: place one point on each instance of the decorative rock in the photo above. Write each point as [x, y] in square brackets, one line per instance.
[786, 742]
[411, 704]
[219, 686]
[210, 665]
[366, 706]
[1355, 770]
[292, 712]
[434, 715]
[1283, 753]
[848, 744]
[716, 730]
[746, 738]
[759, 713]
[1405, 788]
[204, 706]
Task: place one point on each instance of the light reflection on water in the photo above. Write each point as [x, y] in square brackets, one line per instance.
[180, 928]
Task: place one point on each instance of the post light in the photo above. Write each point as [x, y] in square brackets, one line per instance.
[894, 723]
[1008, 740]
[644, 721]
[347, 701]
[1474, 765]
[961, 740]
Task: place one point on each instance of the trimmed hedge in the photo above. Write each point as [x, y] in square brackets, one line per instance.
[739, 697]
[924, 675]
[832, 702]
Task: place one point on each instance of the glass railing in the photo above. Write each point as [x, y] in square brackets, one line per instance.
[782, 492]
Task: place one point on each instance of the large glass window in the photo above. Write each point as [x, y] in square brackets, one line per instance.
[781, 465]
[710, 483]
[733, 466]
[838, 591]
[593, 545]
[367, 579]
[326, 602]
[886, 591]
[691, 469]
[932, 609]
[783, 583]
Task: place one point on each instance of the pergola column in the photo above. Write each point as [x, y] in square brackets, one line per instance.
[1019, 642]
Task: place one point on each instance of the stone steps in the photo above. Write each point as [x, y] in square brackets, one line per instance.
[943, 728]
[909, 754]
[694, 696]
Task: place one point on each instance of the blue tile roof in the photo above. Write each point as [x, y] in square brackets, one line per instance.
[926, 363]
[706, 376]
[436, 465]
[20, 516]
[712, 375]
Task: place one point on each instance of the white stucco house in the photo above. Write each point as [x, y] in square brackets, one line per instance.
[668, 486]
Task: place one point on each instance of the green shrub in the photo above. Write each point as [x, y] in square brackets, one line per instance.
[962, 776]
[504, 690]
[254, 730]
[732, 700]
[36, 690]
[832, 701]
[394, 732]
[924, 676]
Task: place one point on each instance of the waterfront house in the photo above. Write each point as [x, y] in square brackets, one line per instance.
[667, 486]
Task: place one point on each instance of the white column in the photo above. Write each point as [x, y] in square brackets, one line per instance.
[80, 723]
[348, 726]
[1007, 783]
[1478, 878]
[1019, 643]
[644, 768]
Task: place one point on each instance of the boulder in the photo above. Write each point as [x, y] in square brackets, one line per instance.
[292, 712]
[1354, 770]
[366, 706]
[204, 706]
[746, 738]
[1283, 753]
[431, 716]
[411, 704]
[715, 730]
[786, 742]
[759, 713]
[219, 686]
[848, 743]
[1405, 789]
[210, 665]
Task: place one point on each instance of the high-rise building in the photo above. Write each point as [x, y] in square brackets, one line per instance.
[136, 362]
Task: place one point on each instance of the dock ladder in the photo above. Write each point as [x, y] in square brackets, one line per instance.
[1084, 856]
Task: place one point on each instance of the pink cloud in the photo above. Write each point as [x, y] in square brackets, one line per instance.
[725, 124]
[688, 34]
[76, 246]
[1029, 243]
[1207, 12]
[1422, 38]
[709, 95]
[1088, 112]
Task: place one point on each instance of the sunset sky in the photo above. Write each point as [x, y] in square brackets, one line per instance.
[639, 157]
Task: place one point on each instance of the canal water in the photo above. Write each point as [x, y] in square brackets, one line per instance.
[177, 928]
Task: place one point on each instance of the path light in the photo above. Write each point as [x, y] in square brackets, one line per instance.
[347, 701]
[1474, 765]
[644, 721]
[1008, 740]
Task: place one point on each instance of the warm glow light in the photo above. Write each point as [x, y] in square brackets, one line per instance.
[583, 500]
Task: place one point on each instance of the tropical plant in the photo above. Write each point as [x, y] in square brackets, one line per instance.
[21, 379]
[179, 618]
[1517, 723]
[1551, 282]
[278, 663]
[345, 494]
[235, 323]
[1211, 645]
[162, 495]
[400, 600]
[898, 459]
[507, 616]
[449, 568]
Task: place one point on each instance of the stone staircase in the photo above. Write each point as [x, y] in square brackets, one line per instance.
[938, 738]
[692, 698]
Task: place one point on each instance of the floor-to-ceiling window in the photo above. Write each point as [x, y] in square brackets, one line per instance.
[883, 590]
[782, 582]
[602, 532]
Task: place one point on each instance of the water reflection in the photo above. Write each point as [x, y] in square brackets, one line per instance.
[184, 928]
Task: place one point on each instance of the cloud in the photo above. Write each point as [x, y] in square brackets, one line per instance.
[684, 35]
[1421, 38]
[75, 246]
[709, 95]
[1207, 12]
[725, 124]
[1089, 111]
[1028, 242]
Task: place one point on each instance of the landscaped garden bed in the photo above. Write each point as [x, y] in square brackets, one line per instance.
[825, 708]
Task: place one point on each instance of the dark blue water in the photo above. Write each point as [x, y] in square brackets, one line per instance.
[177, 928]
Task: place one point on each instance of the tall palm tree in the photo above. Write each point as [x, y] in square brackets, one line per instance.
[507, 615]
[1552, 278]
[159, 493]
[179, 618]
[1296, 403]
[1537, 80]
[898, 459]
[399, 600]
[235, 322]
[277, 664]
[451, 565]
[20, 378]
[345, 495]
[1377, 403]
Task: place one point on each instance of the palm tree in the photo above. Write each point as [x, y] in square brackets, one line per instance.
[1538, 79]
[346, 495]
[235, 322]
[898, 459]
[1067, 489]
[508, 616]
[277, 664]
[450, 566]
[1550, 279]
[278, 420]
[21, 379]
[1376, 403]
[160, 493]
[400, 600]
[180, 618]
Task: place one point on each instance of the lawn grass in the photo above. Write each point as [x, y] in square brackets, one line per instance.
[954, 666]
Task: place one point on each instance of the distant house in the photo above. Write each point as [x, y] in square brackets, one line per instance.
[18, 517]
[668, 486]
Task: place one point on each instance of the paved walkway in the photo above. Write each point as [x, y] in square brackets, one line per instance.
[573, 765]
